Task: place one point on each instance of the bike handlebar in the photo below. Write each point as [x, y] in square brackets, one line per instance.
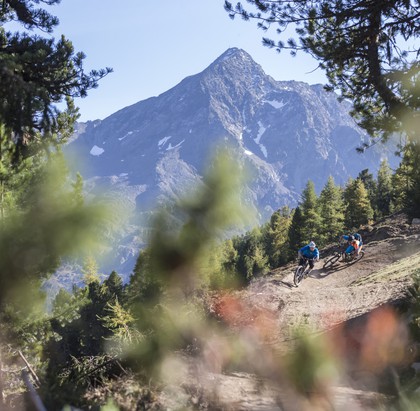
[309, 259]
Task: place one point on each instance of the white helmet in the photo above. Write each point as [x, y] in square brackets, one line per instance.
[312, 244]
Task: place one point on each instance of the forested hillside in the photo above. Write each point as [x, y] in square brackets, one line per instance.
[205, 322]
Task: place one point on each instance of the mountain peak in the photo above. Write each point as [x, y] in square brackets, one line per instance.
[238, 67]
[233, 52]
[233, 56]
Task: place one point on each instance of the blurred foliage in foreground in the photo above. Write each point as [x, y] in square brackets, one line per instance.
[49, 226]
[42, 223]
[160, 340]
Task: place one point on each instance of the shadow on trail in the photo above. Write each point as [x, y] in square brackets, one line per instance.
[282, 283]
[322, 273]
[342, 265]
[325, 272]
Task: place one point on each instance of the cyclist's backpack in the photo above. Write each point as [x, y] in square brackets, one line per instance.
[358, 237]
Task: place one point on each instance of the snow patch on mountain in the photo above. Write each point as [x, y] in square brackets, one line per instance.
[170, 147]
[275, 103]
[96, 151]
[163, 141]
[261, 131]
[127, 134]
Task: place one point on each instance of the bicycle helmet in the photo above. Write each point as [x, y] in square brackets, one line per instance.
[351, 238]
[312, 244]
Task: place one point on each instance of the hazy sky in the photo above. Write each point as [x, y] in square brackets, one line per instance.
[153, 45]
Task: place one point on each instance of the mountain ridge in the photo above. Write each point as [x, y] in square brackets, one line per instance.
[283, 132]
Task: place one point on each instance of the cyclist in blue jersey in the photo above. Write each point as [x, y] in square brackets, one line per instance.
[350, 238]
[310, 252]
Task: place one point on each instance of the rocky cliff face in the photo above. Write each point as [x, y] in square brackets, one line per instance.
[284, 133]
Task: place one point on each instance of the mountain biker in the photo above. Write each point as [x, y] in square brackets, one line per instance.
[351, 237]
[310, 252]
[354, 246]
[358, 237]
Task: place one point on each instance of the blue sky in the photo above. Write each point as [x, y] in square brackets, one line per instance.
[153, 45]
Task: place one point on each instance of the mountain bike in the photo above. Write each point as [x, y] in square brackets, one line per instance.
[346, 258]
[353, 257]
[301, 271]
[339, 253]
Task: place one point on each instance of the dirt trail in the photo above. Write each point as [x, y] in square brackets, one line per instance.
[321, 302]
[329, 297]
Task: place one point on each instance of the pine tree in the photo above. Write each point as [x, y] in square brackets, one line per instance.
[408, 175]
[144, 287]
[400, 187]
[66, 306]
[295, 234]
[275, 235]
[358, 210]
[121, 322]
[310, 213]
[90, 270]
[36, 73]
[16, 179]
[252, 258]
[230, 257]
[370, 185]
[331, 209]
[114, 287]
[384, 189]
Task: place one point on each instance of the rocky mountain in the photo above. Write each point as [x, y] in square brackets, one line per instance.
[283, 132]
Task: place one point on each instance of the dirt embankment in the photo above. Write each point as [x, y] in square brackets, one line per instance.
[330, 297]
[349, 298]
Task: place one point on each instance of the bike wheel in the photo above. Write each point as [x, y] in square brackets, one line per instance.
[331, 261]
[358, 257]
[297, 279]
